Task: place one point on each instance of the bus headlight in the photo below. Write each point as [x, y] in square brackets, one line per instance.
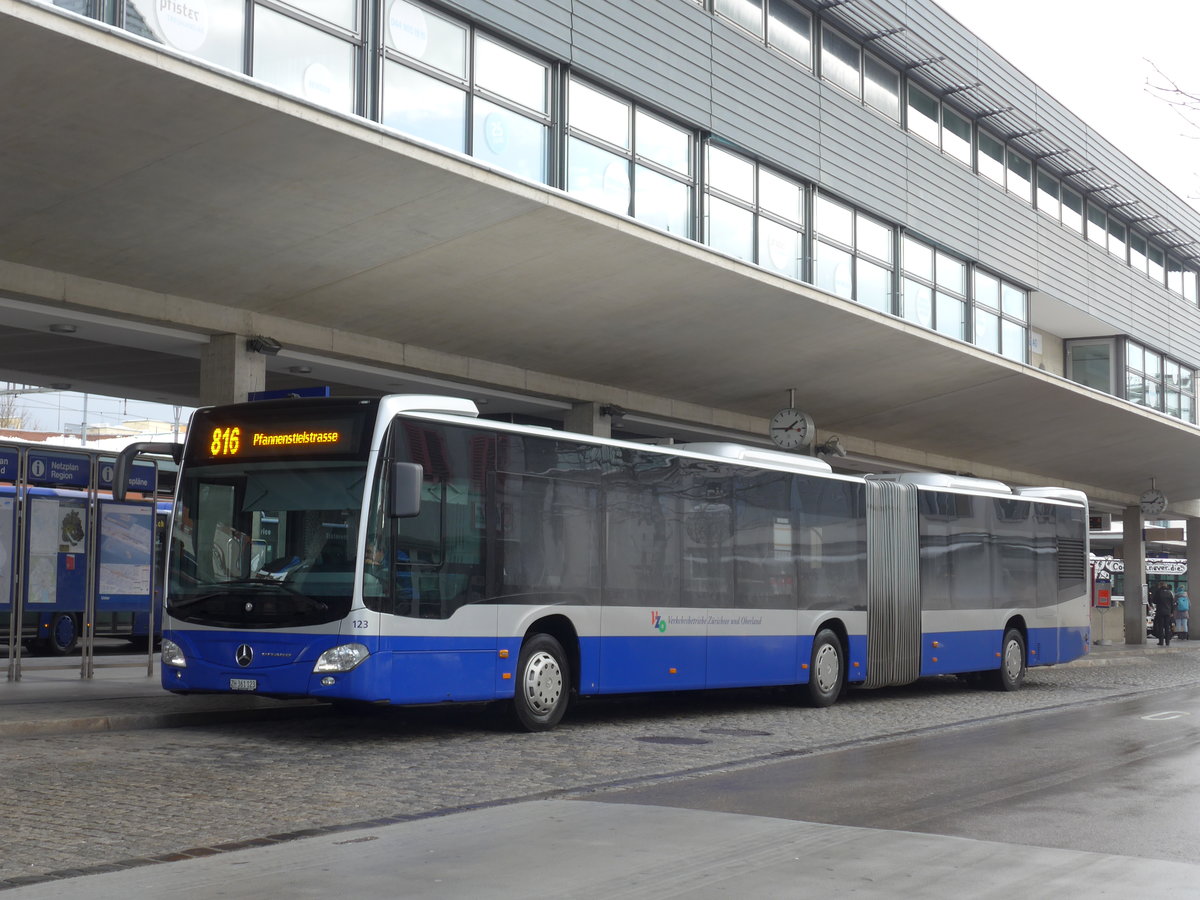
[172, 655]
[342, 658]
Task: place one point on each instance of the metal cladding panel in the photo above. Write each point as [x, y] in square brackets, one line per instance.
[893, 584]
[766, 103]
[942, 197]
[1062, 263]
[658, 53]
[863, 157]
[545, 25]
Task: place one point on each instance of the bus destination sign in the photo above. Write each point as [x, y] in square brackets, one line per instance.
[232, 441]
[228, 434]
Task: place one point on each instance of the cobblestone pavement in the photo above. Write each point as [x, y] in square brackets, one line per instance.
[87, 802]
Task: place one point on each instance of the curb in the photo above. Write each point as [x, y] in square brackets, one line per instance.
[134, 722]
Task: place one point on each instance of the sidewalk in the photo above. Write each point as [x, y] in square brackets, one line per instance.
[51, 698]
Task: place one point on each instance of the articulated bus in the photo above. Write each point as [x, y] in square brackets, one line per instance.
[401, 550]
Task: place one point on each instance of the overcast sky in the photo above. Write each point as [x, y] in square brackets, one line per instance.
[1095, 58]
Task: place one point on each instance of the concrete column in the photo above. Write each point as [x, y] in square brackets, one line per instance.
[1193, 560]
[585, 418]
[1134, 551]
[228, 371]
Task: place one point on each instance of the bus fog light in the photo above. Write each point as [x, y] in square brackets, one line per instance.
[341, 659]
[172, 655]
[328, 681]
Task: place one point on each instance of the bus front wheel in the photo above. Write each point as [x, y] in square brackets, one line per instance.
[827, 671]
[543, 684]
[1011, 674]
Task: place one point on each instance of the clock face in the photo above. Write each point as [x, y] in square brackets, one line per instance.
[1153, 501]
[791, 428]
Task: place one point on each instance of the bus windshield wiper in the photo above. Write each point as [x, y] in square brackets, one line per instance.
[242, 586]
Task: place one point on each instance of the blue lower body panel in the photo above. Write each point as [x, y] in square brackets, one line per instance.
[412, 670]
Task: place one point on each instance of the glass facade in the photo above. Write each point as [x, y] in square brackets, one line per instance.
[1136, 373]
[438, 77]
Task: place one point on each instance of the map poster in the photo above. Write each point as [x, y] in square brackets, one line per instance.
[126, 553]
[56, 548]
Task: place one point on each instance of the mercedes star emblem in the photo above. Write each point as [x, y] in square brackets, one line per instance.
[244, 655]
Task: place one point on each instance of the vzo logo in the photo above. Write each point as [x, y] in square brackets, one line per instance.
[657, 621]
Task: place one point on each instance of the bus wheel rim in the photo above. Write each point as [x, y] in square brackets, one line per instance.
[825, 668]
[1012, 659]
[543, 682]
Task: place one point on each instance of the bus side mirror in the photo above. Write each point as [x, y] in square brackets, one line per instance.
[405, 499]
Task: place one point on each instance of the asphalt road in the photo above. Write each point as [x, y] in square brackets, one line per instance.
[694, 795]
[1117, 778]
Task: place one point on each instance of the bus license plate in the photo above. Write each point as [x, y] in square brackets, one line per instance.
[243, 684]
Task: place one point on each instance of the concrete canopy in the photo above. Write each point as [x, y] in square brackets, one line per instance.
[154, 202]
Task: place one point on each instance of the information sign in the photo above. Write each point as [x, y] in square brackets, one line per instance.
[59, 469]
[9, 459]
[143, 477]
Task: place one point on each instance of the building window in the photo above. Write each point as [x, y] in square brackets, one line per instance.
[511, 110]
[881, 87]
[841, 61]
[1158, 264]
[853, 255]
[933, 289]
[468, 93]
[1097, 225]
[1174, 275]
[1048, 201]
[990, 162]
[1117, 237]
[1001, 317]
[1146, 377]
[923, 116]
[193, 29]
[780, 224]
[1092, 363]
[1020, 176]
[599, 148]
[625, 160]
[663, 180]
[1138, 248]
[317, 64]
[752, 213]
[789, 30]
[746, 13]
[425, 87]
[956, 135]
[1072, 209]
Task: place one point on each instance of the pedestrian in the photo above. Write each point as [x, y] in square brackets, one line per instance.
[1181, 614]
[1164, 613]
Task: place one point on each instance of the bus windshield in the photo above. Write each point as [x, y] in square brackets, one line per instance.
[265, 544]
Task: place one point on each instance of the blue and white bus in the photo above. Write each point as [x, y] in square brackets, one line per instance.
[402, 550]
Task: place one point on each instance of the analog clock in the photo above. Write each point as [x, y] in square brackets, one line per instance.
[1153, 501]
[791, 428]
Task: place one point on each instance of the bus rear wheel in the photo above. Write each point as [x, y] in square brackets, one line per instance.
[1011, 674]
[543, 684]
[827, 670]
[62, 637]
